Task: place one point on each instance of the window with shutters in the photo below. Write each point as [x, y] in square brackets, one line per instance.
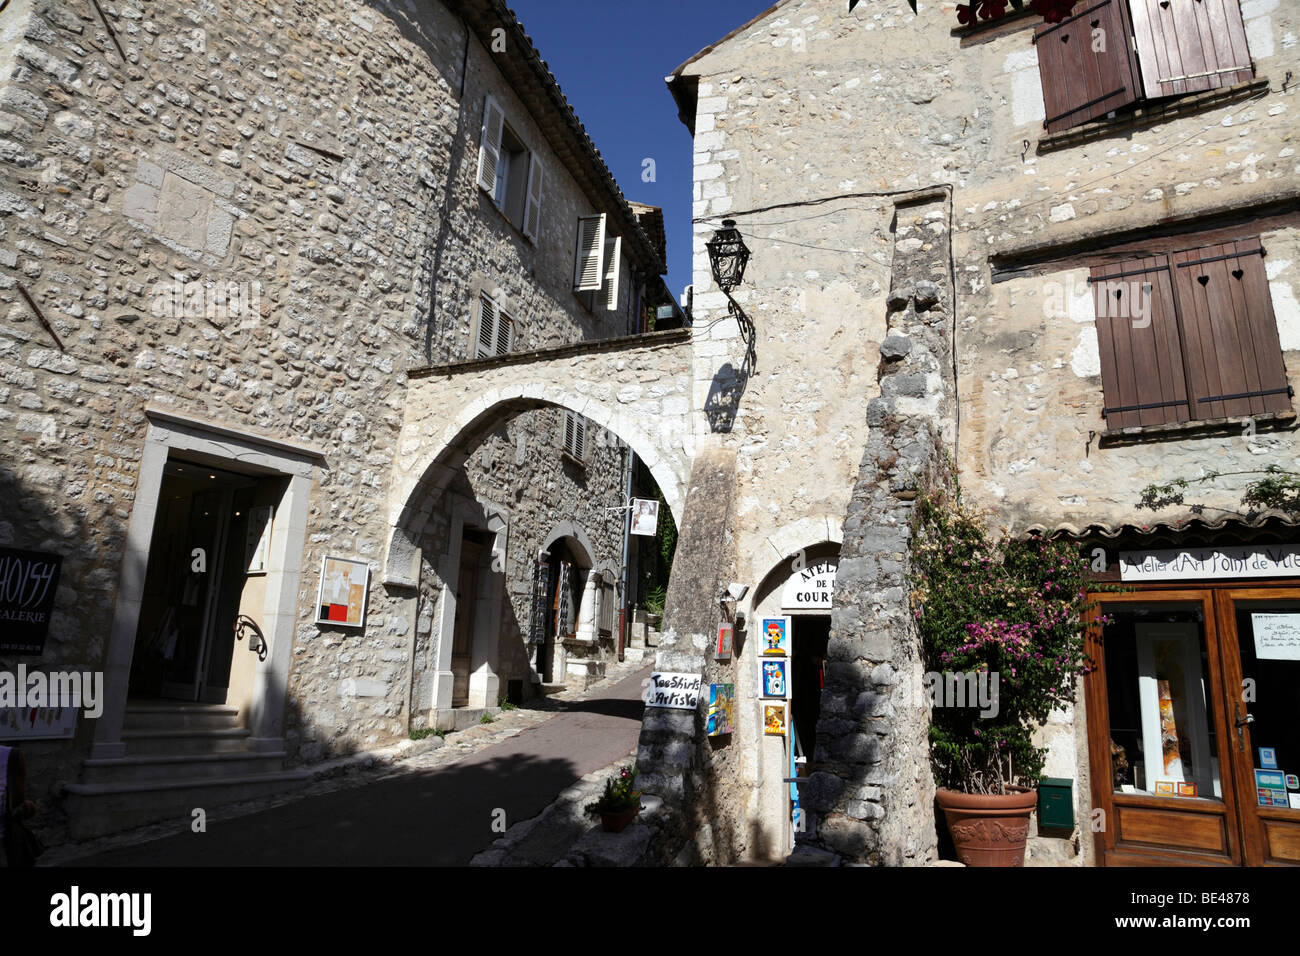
[1189, 336]
[575, 437]
[496, 328]
[597, 265]
[509, 172]
[1115, 53]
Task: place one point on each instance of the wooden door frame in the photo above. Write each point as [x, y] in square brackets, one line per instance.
[1214, 597]
[1250, 814]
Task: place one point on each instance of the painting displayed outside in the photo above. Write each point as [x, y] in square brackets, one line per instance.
[343, 586]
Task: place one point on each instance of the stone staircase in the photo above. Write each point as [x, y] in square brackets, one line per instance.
[179, 757]
[643, 639]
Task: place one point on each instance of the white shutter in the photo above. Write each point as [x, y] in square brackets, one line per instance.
[613, 270]
[505, 333]
[589, 264]
[489, 148]
[575, 435]
[533, 207]
[487, 320]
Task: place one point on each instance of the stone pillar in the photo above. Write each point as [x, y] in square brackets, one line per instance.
[674, 755]
[870, 795]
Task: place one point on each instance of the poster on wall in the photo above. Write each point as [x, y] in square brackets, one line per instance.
[645, 516]
[774, 679]
[774, 632]
[722, 651]
[344, 583]
[38, 723]
[721, 709]
[28, 582]
[774, 720]
[258, 544]
[1277, 636]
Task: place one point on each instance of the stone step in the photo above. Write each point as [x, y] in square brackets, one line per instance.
[463, 718]
[142, 743]
[177, 716]
[635, 655]
[154, 769]
[97, 809]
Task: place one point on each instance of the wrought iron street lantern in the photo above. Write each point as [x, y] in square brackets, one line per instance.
[728, 256]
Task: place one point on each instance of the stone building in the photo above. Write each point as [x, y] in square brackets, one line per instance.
[234, 236]
[940, 217]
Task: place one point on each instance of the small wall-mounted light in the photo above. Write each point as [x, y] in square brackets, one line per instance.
[728, 256]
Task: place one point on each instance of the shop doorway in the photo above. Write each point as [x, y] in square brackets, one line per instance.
[1194, 712]
[209, 525]
[809, 635]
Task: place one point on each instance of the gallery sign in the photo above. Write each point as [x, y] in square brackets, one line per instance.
[678, 691]
[1266, 561]
[28, 583]
[811, 588]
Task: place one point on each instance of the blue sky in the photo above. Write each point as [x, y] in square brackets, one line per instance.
[610, 58]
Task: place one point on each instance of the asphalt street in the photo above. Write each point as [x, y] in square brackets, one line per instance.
[436, 817]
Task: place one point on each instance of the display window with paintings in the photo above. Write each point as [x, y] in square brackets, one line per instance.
[1194, 714]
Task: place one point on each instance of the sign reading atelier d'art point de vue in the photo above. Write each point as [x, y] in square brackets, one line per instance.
[1266, 561]
[28, 583]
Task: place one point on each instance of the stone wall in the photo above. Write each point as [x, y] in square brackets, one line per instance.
[319, 159]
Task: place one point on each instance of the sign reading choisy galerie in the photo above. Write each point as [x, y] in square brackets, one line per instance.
[28, 583]
[1266, 561]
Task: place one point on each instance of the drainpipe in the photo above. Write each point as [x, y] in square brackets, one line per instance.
[629, 459]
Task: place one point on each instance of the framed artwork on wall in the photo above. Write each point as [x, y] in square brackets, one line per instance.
[774, 633]
[344, 585]
[774, 719]
[775, 683]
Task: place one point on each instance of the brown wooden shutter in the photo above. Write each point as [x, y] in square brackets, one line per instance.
[1079, 82]
[1234, 356]
[1142, 373]
[1184, 46]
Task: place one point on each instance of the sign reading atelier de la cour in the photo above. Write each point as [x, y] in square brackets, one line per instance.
[29, 581]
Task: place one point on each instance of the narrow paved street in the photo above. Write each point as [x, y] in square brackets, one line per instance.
[417, 816]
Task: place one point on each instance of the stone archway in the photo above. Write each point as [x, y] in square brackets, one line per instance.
[638, 390]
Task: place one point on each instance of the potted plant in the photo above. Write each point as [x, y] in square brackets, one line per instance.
[620, 803]
[1001, 621]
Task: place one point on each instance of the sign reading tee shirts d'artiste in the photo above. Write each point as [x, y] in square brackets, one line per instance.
[28, 582]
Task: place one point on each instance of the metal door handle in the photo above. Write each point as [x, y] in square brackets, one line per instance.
[1241, 721]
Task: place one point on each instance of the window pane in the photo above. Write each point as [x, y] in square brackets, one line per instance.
[1162, 738]
[1270, 670]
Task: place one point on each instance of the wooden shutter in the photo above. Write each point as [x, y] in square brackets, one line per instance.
[1188, 45]
[533, 204]
[589, 259]
[1234, 356]
[489, 145]
[487, 325]
[613, 271]
[1142, 374]
[1080, 83]
[505, 334]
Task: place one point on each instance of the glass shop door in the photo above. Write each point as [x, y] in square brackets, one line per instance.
[1261, 663]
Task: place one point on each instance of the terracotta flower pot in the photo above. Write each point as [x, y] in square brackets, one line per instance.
[615, 821]
[989, 829]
